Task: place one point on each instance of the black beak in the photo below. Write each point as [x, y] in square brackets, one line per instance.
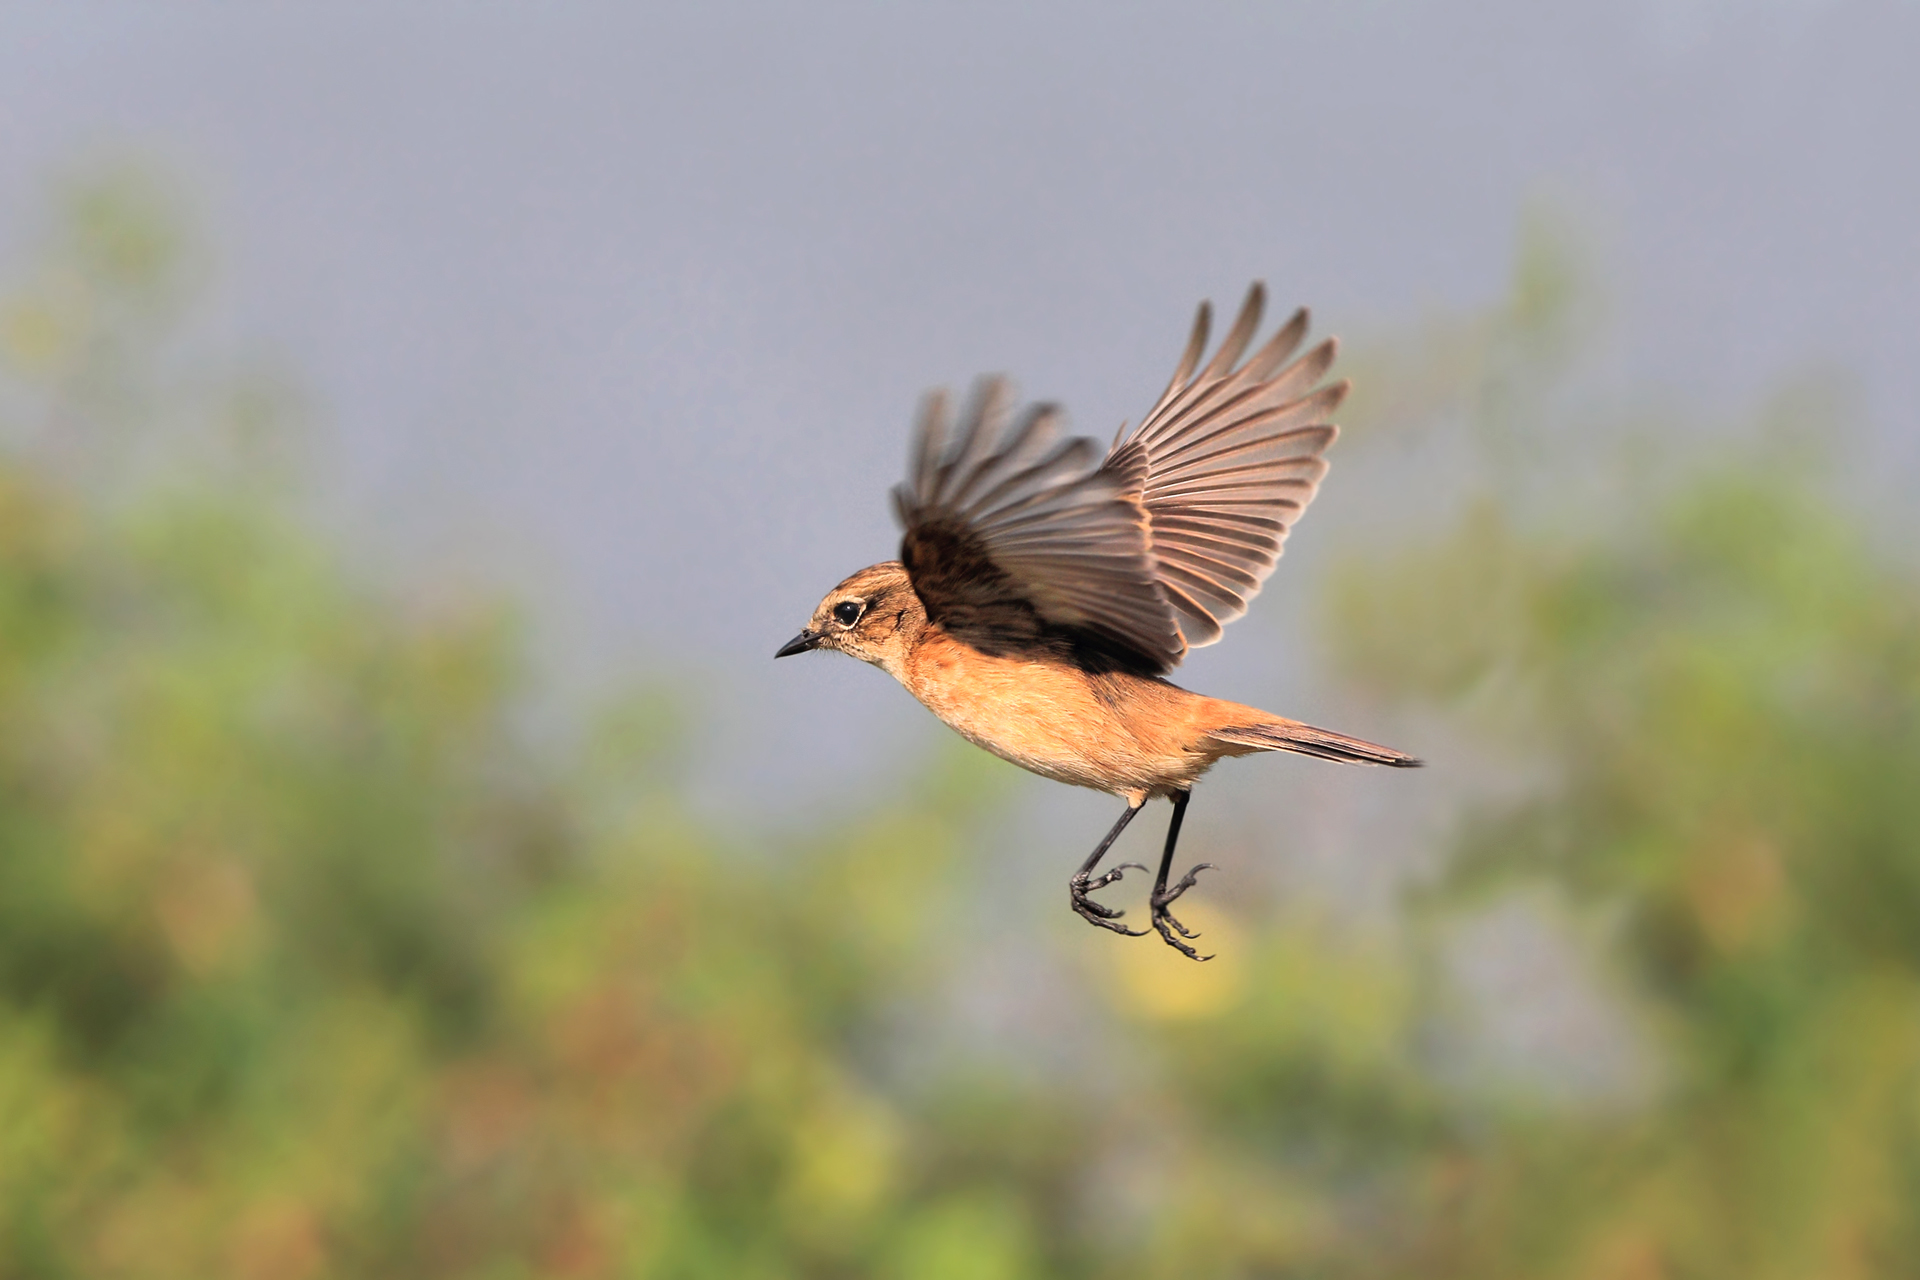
[799, 644]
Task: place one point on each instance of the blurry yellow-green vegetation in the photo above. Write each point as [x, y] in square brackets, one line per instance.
[311, 966]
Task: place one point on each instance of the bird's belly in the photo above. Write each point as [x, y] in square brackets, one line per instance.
[1034, 748]
[1048, 721]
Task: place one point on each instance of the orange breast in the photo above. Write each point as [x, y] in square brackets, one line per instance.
[1120, 734]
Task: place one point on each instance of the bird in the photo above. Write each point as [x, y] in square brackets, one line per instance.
[1045, 588]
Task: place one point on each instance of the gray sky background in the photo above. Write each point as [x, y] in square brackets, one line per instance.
[629, 307]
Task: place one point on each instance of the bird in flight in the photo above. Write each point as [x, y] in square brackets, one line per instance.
[1043, 590]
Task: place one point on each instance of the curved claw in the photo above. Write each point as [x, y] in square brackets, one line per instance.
[1160, 922]
[1097, 912]
[1107, 878]
[1162, 917]
[1187, 881]
[1171, 919]
[1091, 918]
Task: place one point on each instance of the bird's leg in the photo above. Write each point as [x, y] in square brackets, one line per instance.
[1085, 882]
[1163, 897]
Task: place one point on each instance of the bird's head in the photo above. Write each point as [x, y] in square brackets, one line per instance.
[873, 616]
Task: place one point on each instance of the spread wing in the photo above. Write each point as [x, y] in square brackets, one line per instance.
[1017, 540]
[1232, 458]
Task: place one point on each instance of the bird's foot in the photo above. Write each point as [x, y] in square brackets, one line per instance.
[1098, 913]
[1163, 919]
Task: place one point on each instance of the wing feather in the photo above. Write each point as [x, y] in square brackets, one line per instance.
[1017, 541]
[1232, 457]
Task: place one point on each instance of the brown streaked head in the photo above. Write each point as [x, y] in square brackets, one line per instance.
[873, 616]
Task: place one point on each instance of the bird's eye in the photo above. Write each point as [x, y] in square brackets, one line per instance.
[847, 612]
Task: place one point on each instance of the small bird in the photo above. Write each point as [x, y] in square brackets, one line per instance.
[1043, 590]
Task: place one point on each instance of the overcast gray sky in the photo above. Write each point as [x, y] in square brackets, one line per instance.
[630, 305]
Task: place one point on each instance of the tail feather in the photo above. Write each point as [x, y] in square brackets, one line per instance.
[1325, 744]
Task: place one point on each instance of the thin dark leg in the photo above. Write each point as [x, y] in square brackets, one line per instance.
[1163, 897]
[1085, 882]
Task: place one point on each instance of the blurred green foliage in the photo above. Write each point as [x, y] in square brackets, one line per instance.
[310, 966]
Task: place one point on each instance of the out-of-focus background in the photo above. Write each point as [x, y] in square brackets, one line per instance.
[419, 426]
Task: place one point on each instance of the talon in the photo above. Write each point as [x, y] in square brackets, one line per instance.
[1094, 917]
[1109, 877]
[1097, 912]
[1163, 918]
[1174, 942]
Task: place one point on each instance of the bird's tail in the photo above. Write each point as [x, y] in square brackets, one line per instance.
[1291, 735]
